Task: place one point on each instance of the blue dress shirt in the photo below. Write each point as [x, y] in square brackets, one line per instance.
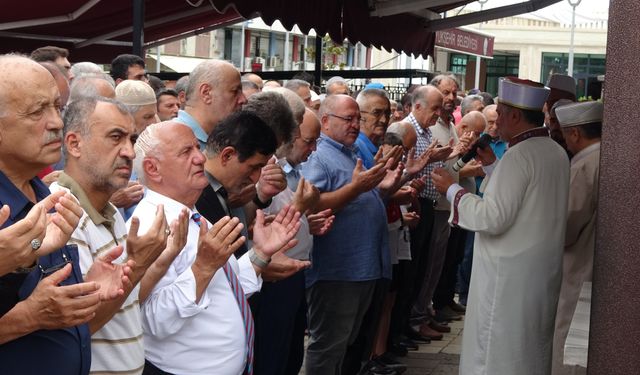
[357, 246]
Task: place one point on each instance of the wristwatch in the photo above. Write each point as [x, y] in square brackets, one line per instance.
[255, 259]
[260, 204]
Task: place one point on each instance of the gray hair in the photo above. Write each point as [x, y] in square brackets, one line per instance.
[246, 84]
[85, 86]
[85, 68]
[76, 116]
[272, 108]
[295, 84]
[147, 145]
[337, 80]
[295, 102]
[182, 84]
[366, 93]
[467, 101]
[437, 80]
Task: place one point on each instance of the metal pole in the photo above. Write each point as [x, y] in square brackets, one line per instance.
[318, 70]
[573, 4]
[285, 58]
[138, 28]
[478, 58]
[242, 57]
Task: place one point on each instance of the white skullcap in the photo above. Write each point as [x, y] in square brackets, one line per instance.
[522, 93]
[132, 92]
[579, 113]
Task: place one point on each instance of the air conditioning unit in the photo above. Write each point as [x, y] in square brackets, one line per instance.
[273, 61]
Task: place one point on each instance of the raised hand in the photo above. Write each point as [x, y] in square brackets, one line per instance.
[268, 239]
[177, 239]
[306, 196]
[462, 146]
[392, 180]
[391, 158]
[365, 180]
[62, 223]
[215, 246]
[51, 306]
[242, 197]
[281, 267]
[404, 195]
[128, 196]
[272, 181]
[441, 180]
[419, 184]
[112, 278]
[15, 240]
[145, 249]
[320, 222]
[411, 219]
[486, 156]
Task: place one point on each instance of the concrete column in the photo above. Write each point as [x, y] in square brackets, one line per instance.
[615, 327]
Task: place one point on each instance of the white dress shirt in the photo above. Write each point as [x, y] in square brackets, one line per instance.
[180, 335]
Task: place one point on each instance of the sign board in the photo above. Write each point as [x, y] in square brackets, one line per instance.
[465, 41]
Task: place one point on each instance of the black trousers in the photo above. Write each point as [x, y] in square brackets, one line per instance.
[446, 289]
[280, 315]
[412, 273]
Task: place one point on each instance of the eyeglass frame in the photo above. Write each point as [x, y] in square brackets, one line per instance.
[348, 119]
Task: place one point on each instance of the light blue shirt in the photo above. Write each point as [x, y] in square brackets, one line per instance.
[357, 246]
[200, 134]
[366, 150]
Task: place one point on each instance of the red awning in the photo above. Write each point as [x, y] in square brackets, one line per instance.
[98, 30]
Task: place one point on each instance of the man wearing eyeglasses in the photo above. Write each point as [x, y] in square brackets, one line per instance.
[347, 261]
[375, 111]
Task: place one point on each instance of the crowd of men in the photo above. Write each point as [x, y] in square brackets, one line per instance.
[209, 227]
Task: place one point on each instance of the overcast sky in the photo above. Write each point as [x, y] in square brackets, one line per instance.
[587, 11]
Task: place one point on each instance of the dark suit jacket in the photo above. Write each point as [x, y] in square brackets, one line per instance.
[209, 206]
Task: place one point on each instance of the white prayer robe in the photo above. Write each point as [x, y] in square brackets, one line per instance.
[520, 229]
[579, 244]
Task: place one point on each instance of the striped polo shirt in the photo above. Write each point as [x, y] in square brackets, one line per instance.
[117, 347]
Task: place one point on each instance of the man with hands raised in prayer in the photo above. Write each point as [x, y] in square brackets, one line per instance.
[200, 301]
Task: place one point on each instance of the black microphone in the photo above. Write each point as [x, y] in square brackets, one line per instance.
[482, 143]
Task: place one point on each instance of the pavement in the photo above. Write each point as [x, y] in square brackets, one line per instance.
[436, 358]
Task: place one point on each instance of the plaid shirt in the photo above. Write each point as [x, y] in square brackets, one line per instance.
[423, 142]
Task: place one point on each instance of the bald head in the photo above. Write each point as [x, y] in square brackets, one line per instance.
[405, 132]
[255, 79]
[473, 121]
[426, 105]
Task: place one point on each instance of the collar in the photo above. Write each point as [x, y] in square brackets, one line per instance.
[170, 205]
[585, 152]
[416, 125]
[531, 133]
[98, 218]
[215, 184]
[185, 118]
[14, 198]
[286, 167]
[337, 145]
[367, 143]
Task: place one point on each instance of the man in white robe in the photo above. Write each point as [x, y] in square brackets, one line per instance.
[520, 229]
[581, 125]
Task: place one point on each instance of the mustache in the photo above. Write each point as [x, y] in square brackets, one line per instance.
[52, 136]
[123, 163]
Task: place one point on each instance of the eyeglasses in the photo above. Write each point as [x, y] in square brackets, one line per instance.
[349, 119]
[44, 272]
[310, 142]
[378, 113]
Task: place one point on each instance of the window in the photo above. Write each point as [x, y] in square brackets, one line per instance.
[586, 68]
[500, 66]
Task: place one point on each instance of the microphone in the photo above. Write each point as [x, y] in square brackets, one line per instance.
[482, 143]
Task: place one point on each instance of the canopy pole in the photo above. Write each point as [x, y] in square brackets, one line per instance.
[318, 70]
[138, 28]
